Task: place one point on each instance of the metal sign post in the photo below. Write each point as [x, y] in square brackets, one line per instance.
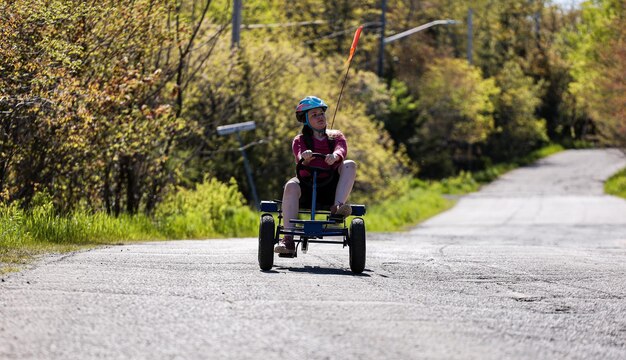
[237, 128]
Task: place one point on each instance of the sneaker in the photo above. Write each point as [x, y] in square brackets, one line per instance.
[341, 209]
[285, 246]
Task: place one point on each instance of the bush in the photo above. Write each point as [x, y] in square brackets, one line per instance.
[211, 209]
[12, 231]
[455, 115]
[461, 184]
[517, 131]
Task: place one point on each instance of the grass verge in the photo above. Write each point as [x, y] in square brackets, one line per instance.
[417, 205]
[616, 184]
[211, 210]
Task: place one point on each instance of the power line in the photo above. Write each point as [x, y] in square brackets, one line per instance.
[332, 35]
[288, 24]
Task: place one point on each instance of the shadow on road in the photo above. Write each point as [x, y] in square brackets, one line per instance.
[319, 271]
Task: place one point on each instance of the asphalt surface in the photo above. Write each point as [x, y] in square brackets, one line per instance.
[531, 267]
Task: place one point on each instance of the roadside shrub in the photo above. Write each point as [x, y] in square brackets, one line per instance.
[517, 131]
[455, 117]
[211, 209]
[461, 184]
[12, 232]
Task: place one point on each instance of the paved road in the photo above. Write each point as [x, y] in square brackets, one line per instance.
[533, 266]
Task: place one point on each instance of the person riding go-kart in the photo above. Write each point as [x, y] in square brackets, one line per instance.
[334, 187]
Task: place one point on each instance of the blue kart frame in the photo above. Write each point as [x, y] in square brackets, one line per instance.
[312, 230]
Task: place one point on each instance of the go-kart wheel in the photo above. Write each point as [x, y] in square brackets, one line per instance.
[357, 245]
[266, 242]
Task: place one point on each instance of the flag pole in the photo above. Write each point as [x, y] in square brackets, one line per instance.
[355, 41]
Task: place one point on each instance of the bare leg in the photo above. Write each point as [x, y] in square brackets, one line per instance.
[291, 201]
[347, 175]
[290, 207]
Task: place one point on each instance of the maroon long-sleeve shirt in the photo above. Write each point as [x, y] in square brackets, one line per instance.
[321, 146]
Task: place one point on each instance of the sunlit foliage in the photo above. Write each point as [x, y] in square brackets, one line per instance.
[456, 113]
[114, 105]
[598, 59]
[517, 129]
[82, 113]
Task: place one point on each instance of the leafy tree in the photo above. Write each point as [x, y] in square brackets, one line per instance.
[456, 113]
[517, 130]
[528, 33]
[95, 122]
[394, 107]
[597, 58]
[407, 59]
[402, 113]
[609, 106]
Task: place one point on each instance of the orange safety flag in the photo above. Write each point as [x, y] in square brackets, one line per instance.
[357, 34]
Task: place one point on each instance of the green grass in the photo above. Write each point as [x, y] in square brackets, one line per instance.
[212, 210]
[27, 234]
[417, 205]
[616, 184]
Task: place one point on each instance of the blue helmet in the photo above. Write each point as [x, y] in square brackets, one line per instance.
[306, 104]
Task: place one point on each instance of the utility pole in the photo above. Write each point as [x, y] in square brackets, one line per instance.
[470, 36]
[381, 49]
[236, 23]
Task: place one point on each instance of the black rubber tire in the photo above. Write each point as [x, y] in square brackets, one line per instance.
[357, 245]
[266, 242]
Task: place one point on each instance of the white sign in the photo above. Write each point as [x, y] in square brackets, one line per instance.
[229, 129]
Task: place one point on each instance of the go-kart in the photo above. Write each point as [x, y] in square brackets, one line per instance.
[312, 230]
